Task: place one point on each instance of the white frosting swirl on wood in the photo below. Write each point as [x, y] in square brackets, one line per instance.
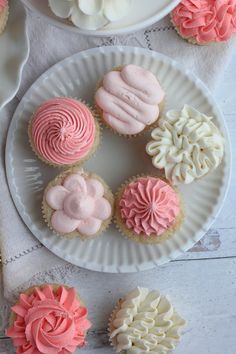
[145, 323]
[187, 145]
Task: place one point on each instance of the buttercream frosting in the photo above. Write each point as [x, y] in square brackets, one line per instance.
[91, 14]
[78, 204]
[49, 321]
[149, 206]
[129, 99]
[145, 322]
[187, 145]
[63, 131]
[205, 21]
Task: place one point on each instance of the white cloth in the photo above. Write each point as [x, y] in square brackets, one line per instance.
[25, 260]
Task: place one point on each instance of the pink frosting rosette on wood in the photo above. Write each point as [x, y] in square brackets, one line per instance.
[205, 21]
[48, 320]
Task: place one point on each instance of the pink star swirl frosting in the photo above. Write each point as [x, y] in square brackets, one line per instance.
[3, 4]
[205, 20]
[149, 206]
[63, 131]
[49, 321]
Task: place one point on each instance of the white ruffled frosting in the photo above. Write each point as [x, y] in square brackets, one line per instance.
[187, 145]
[145, 323]
[90, 14]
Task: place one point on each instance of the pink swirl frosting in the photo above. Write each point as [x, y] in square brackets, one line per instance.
[149, 206]
[63, 130]
[206, 20]
[3, 4]
[129, 99]
[79, 204]
[49, 321]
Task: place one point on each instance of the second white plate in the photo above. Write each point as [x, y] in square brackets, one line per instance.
[116, 160]
[14, 52]
[140, 16]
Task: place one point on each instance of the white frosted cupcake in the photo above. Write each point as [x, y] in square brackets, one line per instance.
[145, 322]
[91, 14]
[4, 11]
[187, 145]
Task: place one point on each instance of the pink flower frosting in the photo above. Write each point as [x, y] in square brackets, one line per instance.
[149, 206]
[3, 4]
[129, 99]
[49, 321]
[79, 204]
[63, 130]
[205, 20]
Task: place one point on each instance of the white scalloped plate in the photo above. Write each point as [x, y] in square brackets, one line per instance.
[14, 52]
[116, 160]
[140, 16]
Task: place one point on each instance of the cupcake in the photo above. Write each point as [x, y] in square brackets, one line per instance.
[78, 204]
[145, 322]
[4, 11]
[128, 100]
[187, 145]
[63, 132]
[148, 209]
[206, 21]
[91, 15]
[48, 319]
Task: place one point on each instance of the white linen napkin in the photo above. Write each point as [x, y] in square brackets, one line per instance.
[24, 259]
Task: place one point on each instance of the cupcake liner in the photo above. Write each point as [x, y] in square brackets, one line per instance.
[47, 211]
[147, 128]
[3, 19]
[141, 238]
[97, 141]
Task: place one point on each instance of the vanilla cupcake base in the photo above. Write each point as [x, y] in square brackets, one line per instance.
[3, 19]
[98, 137]
[143, 238]
[99, 113]
[48, 211]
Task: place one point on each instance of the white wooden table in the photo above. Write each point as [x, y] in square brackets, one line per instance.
[201, 284]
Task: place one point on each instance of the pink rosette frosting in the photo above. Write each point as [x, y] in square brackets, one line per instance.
[149, 206]
[129, 99]
[49, 321]
[205, 20]
[79, 204]
[3, 4]
[63, 131]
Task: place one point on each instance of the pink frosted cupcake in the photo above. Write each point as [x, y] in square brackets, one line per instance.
[63, 132]
[205, 21]
[4, 11]
[148, 209]
[129, 100]
[48, 319]
[78, 204]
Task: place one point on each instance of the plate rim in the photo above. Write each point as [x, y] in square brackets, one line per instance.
[105, 33]
[164, 258]
[23, 62]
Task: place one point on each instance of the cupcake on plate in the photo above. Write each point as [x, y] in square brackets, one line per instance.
[48, 319]
[129, 99]
[187, 145]
[63, 132]
[148, 209]
[145, 322]
[78, 204]
[205, 21]
[4, 12]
